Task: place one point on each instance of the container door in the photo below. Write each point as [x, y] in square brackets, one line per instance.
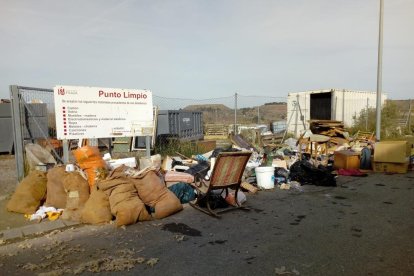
[320, 106]
[186, 124]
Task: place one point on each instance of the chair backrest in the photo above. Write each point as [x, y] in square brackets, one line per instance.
[228, 169]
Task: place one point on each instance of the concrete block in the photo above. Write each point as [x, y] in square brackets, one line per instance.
[12, 234]
[70, 222]
[42, 227]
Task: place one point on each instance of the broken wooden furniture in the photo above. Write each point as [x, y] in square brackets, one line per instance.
[315, 144]
[364, 136]
[227, 173]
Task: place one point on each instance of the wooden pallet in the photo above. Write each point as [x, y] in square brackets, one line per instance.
[364, 135]
[272, 140]
[215, 131]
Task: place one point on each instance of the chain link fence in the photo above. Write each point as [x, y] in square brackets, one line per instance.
[33, 114]
[236, 110]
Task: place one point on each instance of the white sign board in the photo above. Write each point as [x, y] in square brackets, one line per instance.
[95, 112]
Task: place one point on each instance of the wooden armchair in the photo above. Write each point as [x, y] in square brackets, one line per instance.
[227, 173]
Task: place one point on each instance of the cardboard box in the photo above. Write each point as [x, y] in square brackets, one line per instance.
[392, 152]
[387, 167]
[279, 163]
[346, 159]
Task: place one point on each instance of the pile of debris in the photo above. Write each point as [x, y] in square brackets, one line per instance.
[333, 129]
[98, 189]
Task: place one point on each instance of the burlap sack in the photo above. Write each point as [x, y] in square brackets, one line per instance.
[153, 192]
[77, 190]
[96, 209]
[149, 185]
[167, 205]
[123, 198]
[29, 194]
[56, 195]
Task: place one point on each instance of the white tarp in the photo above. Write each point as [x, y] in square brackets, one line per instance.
[95, 112]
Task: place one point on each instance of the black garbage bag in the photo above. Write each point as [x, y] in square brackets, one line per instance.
[215, 201]
[305, 173]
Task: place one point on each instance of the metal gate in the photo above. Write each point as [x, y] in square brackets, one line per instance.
[33, 118]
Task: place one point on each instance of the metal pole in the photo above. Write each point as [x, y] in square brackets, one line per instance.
[366, 114]
[343, 106]
[296, 116]
[65, 146]
[148, 146]
[336, 108]
[235, 114]
[379, 73]
[17, 131]
[258, 114]
[409, 118]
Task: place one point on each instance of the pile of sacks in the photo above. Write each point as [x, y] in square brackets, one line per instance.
[128, 194]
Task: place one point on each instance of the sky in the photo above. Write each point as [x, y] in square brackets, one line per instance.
[207, 49]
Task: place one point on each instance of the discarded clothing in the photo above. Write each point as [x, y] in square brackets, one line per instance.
[51, 212]
[351, 172]
[183, 191]
[281, 174]
[366, 159]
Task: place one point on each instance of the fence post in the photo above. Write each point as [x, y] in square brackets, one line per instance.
[235, 114]
[65, 147]
[17, 131]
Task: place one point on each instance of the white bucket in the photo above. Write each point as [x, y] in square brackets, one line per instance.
[265, 177]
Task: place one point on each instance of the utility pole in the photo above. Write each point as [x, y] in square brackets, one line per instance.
[409, 118]
[366, 114]
[379, 72]
[235, 114]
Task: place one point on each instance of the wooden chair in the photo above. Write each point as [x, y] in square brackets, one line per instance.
[227, 173]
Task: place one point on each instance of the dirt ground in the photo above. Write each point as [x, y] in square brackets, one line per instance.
[8, 180]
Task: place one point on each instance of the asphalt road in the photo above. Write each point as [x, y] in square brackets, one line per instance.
[365, 226]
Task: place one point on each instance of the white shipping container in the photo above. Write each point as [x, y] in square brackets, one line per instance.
[327, 104]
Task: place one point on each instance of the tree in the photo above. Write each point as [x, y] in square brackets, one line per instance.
[366, 121]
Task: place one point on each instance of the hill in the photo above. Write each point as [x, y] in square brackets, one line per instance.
[221, 114]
